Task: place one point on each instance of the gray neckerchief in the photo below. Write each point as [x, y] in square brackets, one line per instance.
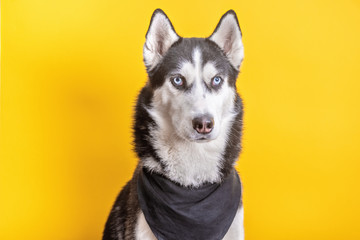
[174, 212]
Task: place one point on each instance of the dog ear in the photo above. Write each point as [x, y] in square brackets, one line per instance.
[159, 38]
[227, 35]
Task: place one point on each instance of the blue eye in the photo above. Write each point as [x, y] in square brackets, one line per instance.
[216, 81]
[177, 81]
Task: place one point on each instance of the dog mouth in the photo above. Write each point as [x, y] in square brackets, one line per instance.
[202, 138]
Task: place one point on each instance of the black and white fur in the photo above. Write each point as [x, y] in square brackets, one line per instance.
[189, 78]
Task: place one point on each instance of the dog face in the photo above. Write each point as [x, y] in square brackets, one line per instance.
[193, 79]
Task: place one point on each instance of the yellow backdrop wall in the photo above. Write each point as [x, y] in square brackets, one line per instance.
[70, 73]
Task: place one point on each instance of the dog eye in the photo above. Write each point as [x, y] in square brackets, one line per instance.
[178, 81]
[216, 81]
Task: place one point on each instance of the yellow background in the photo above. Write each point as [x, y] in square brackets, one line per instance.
[70, 73]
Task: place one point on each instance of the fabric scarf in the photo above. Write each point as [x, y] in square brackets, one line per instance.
[174, 212]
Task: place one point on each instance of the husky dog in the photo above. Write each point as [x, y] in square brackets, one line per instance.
[188, 122]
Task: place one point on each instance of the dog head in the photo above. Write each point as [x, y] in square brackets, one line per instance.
[193, 79]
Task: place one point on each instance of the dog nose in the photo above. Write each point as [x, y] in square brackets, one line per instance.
[203, 124]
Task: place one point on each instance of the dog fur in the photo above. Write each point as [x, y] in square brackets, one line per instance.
[189, 78]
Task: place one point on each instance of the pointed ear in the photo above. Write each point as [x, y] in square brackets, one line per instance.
[227, 35]
[159, 38]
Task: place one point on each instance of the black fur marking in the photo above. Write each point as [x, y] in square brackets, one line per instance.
[143, 123]
[123, 216]
[233, 146]
[182, 51]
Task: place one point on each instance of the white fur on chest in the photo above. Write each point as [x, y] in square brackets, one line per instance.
[236, 230]
[187, 163]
